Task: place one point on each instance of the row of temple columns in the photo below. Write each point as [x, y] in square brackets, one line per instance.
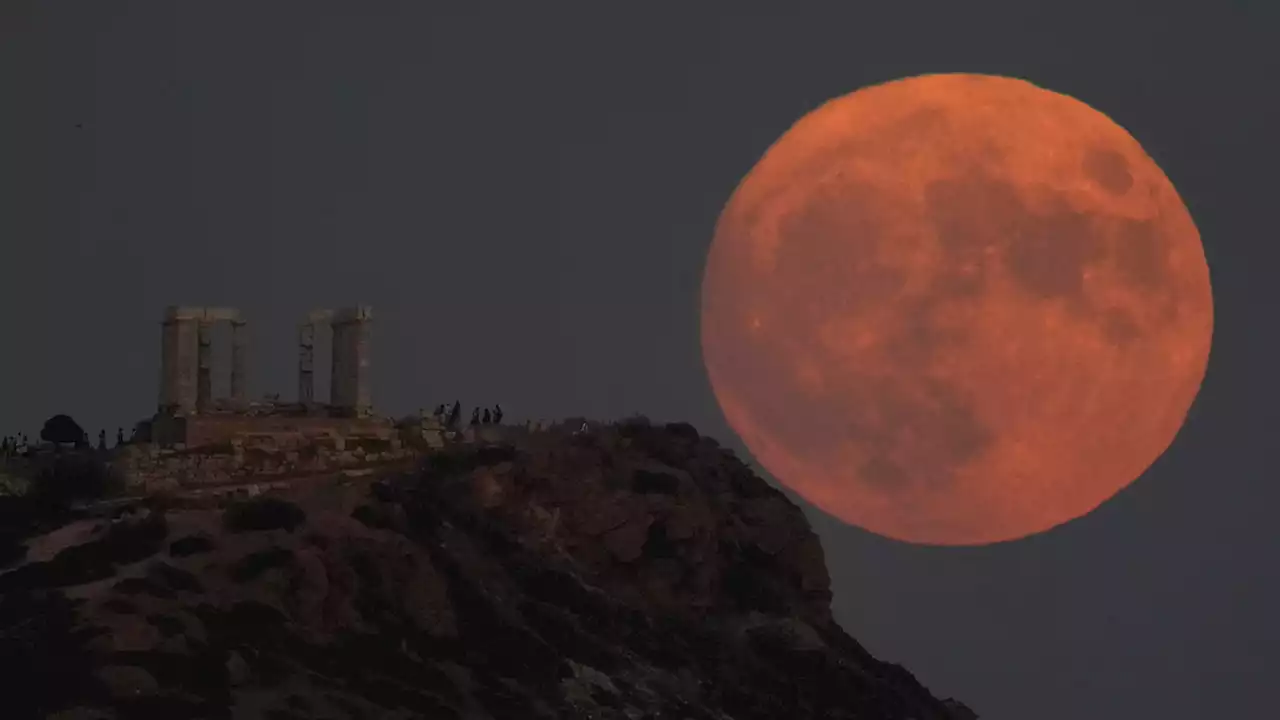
[186, 358]
[186, 373]
[349, 387]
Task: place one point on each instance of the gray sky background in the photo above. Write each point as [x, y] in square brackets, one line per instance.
[525, 194]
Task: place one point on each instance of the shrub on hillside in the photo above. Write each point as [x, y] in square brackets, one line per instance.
[262, 513]
[75, 477]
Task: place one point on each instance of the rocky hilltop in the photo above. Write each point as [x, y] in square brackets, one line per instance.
[633, 571]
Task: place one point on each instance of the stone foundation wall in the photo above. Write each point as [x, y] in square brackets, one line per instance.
[214, 429]
[256, 457]
[235, 451]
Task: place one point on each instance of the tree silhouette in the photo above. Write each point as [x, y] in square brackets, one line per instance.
[63, 430]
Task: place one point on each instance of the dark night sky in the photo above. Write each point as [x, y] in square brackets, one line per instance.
[526, 197]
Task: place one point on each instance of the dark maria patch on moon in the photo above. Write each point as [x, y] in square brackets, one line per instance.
[827, 264]
[1045, 251]
[917, 432]
[1140, 254]
[1108, 168]
[913, 431]
[1119, 328]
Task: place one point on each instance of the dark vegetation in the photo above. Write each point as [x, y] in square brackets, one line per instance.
[60, 481]
[71, 477]
[190, 545]
[264, 513]
[63, 430]
[123, 544]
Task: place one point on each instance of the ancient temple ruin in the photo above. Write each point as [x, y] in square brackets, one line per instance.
[197, 442]
[186, 360]
[189, 414]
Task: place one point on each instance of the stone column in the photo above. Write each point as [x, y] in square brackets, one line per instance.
[349, 388]
[204, 364]
[339, 362]
[306, 357]
[178, 350]
[239, 364]
[167, 396]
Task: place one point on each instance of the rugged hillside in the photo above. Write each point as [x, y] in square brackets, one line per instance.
[628, 572]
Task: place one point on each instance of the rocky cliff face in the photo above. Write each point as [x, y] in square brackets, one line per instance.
[628, 572]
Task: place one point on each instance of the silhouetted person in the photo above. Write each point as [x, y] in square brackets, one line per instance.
[102, 439]
[475, 416]
[455, 413]
[488, 417]
[497, 414]
[119, 436]
[440, 412]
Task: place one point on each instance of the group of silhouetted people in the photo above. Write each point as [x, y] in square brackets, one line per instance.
[102, 438]
[13, 446]
[449, 415]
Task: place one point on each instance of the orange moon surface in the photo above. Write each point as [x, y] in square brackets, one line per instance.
[956, 309]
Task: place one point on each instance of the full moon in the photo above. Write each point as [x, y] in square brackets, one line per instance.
[956, 309]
